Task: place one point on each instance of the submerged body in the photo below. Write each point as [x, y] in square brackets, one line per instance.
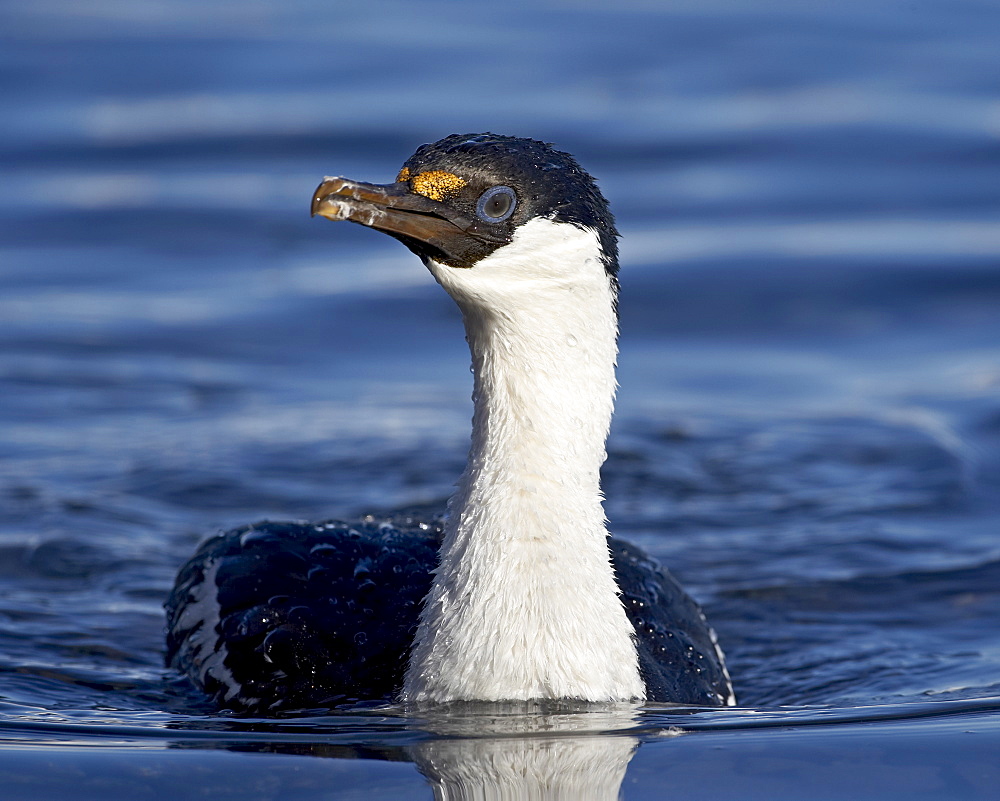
[514, 596]
[279, 616]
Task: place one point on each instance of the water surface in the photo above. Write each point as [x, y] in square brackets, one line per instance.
[808, 421]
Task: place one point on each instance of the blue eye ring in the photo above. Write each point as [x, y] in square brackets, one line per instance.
[496, 204]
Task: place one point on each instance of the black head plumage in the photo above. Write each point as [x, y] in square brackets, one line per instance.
[548, 182]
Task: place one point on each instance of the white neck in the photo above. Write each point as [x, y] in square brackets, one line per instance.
[524, 604]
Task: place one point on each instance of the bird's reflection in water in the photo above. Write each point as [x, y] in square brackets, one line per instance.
[494, 751]
[522, 750]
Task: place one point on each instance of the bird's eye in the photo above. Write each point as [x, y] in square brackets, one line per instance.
[496, 204]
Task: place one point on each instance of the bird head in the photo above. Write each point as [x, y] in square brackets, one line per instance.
[457, 201]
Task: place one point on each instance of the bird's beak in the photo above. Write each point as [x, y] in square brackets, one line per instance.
[426, 226]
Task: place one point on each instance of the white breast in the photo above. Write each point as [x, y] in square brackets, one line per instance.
[524, 604]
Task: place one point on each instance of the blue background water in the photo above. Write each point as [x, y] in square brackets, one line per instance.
[809, 416]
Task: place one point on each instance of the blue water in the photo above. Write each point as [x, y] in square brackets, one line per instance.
[808, 428]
